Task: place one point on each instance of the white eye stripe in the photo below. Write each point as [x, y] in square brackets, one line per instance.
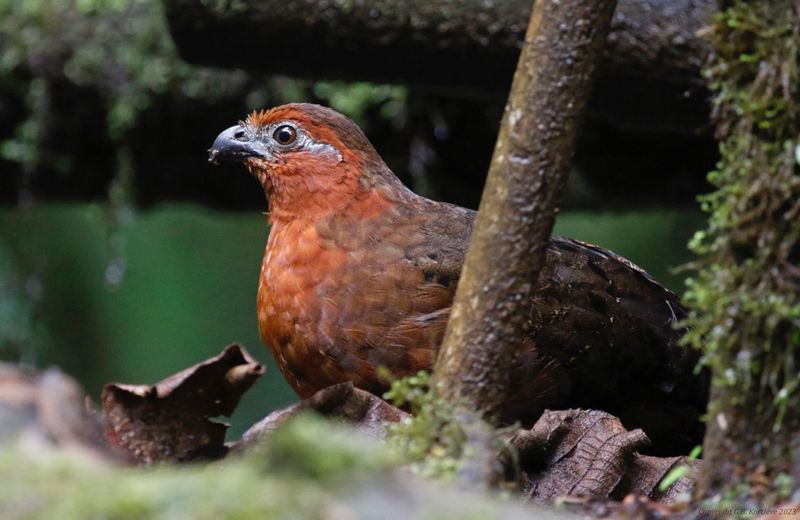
[317, 148]
[304, 142]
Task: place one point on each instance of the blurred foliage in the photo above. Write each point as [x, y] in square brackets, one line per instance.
[119, 48]
[745, 297]
[354, 99]
[122, 50]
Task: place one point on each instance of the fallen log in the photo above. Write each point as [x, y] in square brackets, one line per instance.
[650, 79]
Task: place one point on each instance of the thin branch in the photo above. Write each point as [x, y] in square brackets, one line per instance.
[532, 157]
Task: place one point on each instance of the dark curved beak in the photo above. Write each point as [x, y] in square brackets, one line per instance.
[235, 144]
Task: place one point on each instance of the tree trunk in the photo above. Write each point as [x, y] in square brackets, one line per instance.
[746, 296]
[650, 79]
[529, 168]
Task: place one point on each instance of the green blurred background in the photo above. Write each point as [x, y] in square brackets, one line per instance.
[125, 257]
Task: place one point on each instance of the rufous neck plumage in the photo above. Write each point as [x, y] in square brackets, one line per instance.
[314, 190]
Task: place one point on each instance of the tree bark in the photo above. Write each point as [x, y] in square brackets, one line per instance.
[532, 157]
[650, 79]
[746, 297]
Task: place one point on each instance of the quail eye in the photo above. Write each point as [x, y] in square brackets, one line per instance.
[285, 134]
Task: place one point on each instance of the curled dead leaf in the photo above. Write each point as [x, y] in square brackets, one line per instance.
[590, 454]
[171, 420]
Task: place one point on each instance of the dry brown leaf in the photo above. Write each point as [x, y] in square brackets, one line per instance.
[590, 454]
[171, 420]
[363, 410]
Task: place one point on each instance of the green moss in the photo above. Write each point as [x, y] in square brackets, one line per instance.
[431, 440]
[298, 473]
[441, 440]
[744, 298]
[313, 448]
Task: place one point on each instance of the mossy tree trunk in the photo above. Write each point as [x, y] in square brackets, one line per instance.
[532, 158]
[746, 295]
